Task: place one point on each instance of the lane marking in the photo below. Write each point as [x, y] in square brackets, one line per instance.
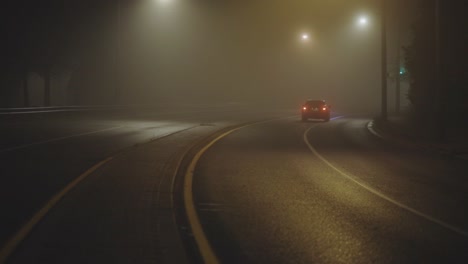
[17, 238]
[204, 246]
[57, 139]
[337, 117]
[381, 195]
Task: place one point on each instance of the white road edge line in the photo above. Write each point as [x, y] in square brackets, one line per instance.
[381, 195]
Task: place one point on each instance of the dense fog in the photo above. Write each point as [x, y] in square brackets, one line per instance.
[251, 51]
[206, 51]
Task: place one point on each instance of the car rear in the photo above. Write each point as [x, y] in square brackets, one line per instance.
[315, 109]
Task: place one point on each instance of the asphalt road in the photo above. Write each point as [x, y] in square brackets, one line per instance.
[279, 191]
[122, 211]
[294, 192]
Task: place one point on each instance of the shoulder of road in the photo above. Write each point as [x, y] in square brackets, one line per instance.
[402, 130]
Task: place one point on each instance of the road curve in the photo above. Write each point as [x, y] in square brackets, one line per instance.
[59, 207]
[263, 196]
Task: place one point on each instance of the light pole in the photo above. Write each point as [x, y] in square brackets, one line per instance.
[440, 123]
[398, 70]
[383, 113]
[441, 95]
[118, 59]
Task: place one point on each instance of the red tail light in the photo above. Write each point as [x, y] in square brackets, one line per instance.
[304, 108]
[324, 108]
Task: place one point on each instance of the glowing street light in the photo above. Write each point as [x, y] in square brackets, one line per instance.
[164, 1]
[362, 21]
[305, 37]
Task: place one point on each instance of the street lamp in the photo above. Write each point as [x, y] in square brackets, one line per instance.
[383, 24]
[164, 1]
[362, 21]
[118, 55]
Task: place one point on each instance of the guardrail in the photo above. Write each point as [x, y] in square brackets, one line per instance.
[51, 109]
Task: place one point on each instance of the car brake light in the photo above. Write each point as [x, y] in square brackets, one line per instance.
[304, 108]
[324, 108]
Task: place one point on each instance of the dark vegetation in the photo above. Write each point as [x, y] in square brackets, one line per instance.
[439, 93]
[47, 38]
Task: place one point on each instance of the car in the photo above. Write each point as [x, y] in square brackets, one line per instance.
[316, 109]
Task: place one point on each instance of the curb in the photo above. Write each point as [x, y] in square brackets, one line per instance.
[442, 150]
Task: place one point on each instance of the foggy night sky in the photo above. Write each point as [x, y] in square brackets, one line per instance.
[231, 51]
[252, 51]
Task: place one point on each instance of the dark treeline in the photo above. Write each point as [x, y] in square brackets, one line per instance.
[447, 97]
[47, 38]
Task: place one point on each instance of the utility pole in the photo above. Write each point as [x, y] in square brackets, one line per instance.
[398, 61]
[384, 61]
[117, 84]
[440, 123]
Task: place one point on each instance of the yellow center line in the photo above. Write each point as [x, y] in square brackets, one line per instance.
[204, 246]
[17, 238]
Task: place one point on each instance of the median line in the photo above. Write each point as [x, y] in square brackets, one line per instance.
[17, 238]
